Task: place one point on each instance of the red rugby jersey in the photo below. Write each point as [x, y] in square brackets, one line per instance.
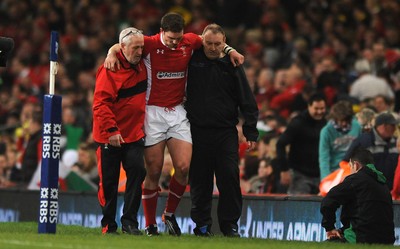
[167, 69]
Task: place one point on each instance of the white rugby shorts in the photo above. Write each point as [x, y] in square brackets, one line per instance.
[162, 123]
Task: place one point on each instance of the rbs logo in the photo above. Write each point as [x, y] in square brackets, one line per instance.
[51, 140]
[48, 205]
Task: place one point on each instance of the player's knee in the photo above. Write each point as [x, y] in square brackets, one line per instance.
[153, 175]
[182, 169]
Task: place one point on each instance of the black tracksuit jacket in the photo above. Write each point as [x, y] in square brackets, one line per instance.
[366, 206]
[215, 104]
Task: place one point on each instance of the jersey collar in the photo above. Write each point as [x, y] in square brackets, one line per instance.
[162, 41]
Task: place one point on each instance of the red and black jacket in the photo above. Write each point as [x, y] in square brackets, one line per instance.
[119, 102]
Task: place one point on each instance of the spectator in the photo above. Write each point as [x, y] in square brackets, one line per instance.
[382, 104]
[265, 88]
[366, 118]
[329, 80]
[336, 137]
[378, 58]
[368, 85]
[367, 212]
[5, 171]
[294, 82]
[302, 134]
[263, 182]
[72, 134]
[32, 153]
[86, 165]
[25, 116]
[12, 159]
[382, 144]
[267, 150]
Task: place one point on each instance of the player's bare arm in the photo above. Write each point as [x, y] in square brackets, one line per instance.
[111, 62]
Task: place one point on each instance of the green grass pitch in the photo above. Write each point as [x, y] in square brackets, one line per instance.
[24, 235]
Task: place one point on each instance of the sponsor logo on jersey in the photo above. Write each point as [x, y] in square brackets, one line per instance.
[170, 75]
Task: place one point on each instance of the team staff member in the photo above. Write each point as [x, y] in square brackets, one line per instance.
[215, 91]
[367, 212]
[118, 117]
[166, 56]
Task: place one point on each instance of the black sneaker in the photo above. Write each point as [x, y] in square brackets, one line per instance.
[231, 233]
[204, 231]
[132, 230]
[151, 230]
[172, 225]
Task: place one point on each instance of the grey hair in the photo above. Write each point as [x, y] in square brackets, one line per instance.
[128, 32]
[214, 28]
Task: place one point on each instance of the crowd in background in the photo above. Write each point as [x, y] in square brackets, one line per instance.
[343, 49]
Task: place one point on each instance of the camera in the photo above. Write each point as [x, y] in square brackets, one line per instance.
[6, 46]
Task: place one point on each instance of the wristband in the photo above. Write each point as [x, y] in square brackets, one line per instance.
[228, 49]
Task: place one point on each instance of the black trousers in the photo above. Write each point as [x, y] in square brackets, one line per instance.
[215, 151]
[109, 162]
